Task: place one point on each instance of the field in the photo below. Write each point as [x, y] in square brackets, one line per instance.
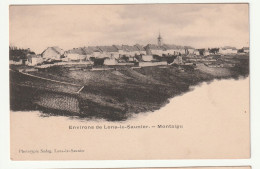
[118, 93]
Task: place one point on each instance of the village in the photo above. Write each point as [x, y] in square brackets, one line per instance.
[113, 82]
[101, 57]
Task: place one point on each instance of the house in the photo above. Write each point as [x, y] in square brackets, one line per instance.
[130, 51]
[227, 50]
[170, 49]
[206, 52]
[110, 61]
[76, 54]
[188, 50]
[108, 51]
[178, 60]
[245, 49]
[92, 52]
[88, 51]
[150, 60]
[53, 53]
[119, 50]
[152, 49]
[181, 50]
[196, 52]
[34, 60]
[141, 49]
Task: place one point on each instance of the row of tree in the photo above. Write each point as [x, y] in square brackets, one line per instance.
[17, 54]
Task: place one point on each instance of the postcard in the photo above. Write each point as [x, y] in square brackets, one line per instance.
[129, 82]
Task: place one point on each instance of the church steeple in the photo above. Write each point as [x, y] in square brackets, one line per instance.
[159, 40]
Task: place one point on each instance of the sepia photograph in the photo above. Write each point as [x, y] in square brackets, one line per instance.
[128, 82]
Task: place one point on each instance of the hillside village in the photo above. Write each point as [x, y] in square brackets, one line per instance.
[113, 82]
[136, 55]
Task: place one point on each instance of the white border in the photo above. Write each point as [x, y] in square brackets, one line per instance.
[6, 163]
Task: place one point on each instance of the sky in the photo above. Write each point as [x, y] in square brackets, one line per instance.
[69, 26]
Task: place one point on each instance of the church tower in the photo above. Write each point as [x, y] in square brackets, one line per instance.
[159, 40]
